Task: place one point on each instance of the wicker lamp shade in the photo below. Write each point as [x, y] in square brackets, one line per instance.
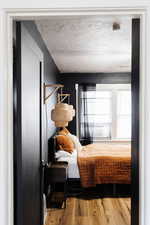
[62, 114]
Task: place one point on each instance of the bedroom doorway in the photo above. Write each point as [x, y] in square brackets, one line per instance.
[124, 126]
[79, 200]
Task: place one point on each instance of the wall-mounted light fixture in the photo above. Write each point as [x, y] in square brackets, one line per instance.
[63, 112]
[55, 86]
[61, 97]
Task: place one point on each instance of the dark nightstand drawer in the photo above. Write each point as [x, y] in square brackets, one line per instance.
[57, 172]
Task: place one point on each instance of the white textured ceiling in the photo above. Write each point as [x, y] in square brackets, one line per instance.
[88, 44]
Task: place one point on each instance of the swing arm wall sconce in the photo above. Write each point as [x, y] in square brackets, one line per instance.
[55, 86]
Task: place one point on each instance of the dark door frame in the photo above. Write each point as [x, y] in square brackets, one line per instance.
[135, 128]
[17, 137]
[17, 129]
[135, 86]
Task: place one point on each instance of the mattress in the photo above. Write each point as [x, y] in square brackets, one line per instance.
[73, 169]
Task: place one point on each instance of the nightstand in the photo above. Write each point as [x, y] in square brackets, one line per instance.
[56, 176]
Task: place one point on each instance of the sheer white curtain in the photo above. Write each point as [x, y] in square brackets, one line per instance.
[87, 94]
[123, 114]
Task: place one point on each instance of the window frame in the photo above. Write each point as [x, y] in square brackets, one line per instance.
[114, 88]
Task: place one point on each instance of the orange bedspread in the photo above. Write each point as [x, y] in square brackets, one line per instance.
[104, 163]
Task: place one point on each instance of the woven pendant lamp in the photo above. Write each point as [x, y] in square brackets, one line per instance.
[62, 114]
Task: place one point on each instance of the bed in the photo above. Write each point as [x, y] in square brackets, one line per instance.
[100, 163]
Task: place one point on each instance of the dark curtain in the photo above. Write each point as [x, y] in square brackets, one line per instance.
[87, 94]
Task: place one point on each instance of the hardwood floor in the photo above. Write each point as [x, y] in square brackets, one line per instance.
[106, 211]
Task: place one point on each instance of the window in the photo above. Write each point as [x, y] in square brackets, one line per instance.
[102, 118]
[123, 114]
[109, 108]
[103, 115]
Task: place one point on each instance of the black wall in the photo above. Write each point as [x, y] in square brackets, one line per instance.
[28, 151]
[70, 79]
[50, 76]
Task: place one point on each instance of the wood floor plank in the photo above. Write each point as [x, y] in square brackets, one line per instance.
[120, 212]
[125, 210]
[111, 214]
[102, 211]
[104, 217]
[128, 203]
[68, 217]
[54, 217]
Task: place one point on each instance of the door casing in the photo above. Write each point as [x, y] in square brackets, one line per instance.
[19, 14]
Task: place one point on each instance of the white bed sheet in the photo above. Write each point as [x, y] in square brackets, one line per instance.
[73, 170]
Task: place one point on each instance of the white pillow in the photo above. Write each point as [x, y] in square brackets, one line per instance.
[76, 141]
[62, 153]
[64, 159]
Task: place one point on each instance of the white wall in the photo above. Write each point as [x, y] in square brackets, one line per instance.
[6, 85]
[71, 3]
